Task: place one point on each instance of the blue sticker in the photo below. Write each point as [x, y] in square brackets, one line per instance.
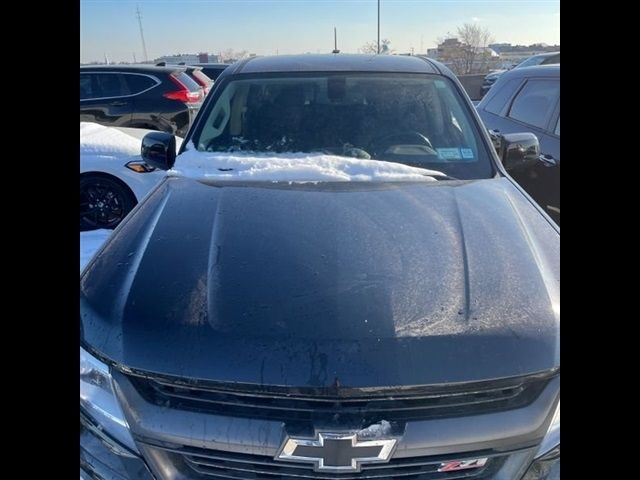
[466, 152]
[449, 153]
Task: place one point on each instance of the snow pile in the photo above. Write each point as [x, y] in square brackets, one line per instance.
[380, 429]
[106, 141]
[293, 167]
[90, 242]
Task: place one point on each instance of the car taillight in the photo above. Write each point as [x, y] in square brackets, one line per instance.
[183, 94]
[203, 82]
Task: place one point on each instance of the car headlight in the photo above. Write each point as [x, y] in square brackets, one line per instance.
[139, 166]
[546, 465]
[98, 399]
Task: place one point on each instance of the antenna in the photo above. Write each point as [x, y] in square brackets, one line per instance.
[144, 46]
[134, 57]
[106, 59]
[335, 41]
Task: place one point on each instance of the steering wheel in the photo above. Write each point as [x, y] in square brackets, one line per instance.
[387, 141]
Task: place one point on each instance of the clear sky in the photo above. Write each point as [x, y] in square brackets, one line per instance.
[267, 27]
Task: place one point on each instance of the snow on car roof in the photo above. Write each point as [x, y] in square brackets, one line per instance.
[98, 139]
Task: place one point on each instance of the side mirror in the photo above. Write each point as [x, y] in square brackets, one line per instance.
[159, 150]
[496, 140]
[519, 150]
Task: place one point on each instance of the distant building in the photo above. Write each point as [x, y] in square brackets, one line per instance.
[446, 50]
[432, 53]
[499, 47]
[488, 51]
[175, 59]
[450, 47]
[189, 58]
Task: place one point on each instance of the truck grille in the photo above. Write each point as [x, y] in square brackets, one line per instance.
[349, 406]
[204, 464]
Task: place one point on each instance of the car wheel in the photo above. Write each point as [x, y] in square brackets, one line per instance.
[104, 202]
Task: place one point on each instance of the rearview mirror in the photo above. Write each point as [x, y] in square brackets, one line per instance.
[519, 150]
[159, 150]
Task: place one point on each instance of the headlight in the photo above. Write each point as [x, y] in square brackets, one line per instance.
[546, 465]
[99, 401]
[139, 166]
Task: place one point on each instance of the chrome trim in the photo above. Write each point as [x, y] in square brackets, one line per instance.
[152, 77]
[287, 451]
[111, 443]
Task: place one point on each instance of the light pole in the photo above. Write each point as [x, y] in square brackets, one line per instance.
[144, 46]
[378, 27]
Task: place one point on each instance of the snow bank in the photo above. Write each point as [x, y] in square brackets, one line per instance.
[293, 167]
[90, 242]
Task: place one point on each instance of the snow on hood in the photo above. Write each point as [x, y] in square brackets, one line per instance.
[100, 140]
[293, 167]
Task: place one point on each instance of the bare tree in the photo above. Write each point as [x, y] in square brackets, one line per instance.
[474, 40]
[229, 55]
[372, 47]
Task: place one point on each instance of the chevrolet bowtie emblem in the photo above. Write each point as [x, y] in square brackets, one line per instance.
[335, 452]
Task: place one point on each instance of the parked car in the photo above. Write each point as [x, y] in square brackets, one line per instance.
[528, 99]
[200, 78]
[196, 74]
[113, 176]
[212, 70]
[541, 59]
[338, 280]
[139, 96]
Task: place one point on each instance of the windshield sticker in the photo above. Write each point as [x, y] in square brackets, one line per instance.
[466, 152]
[449, 153]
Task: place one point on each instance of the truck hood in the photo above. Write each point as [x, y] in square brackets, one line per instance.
[352, 284]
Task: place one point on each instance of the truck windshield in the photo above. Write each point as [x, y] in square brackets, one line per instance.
[414, 119]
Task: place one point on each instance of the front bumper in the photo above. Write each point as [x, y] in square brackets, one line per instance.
[102, 458]
[169, 438]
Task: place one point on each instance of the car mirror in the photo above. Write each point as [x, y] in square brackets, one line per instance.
[496, 140]
[519, 150]
[159, 150]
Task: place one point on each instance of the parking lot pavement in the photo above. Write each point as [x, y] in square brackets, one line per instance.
[90, 242]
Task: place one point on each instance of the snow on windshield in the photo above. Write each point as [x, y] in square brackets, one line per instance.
[293, 167]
